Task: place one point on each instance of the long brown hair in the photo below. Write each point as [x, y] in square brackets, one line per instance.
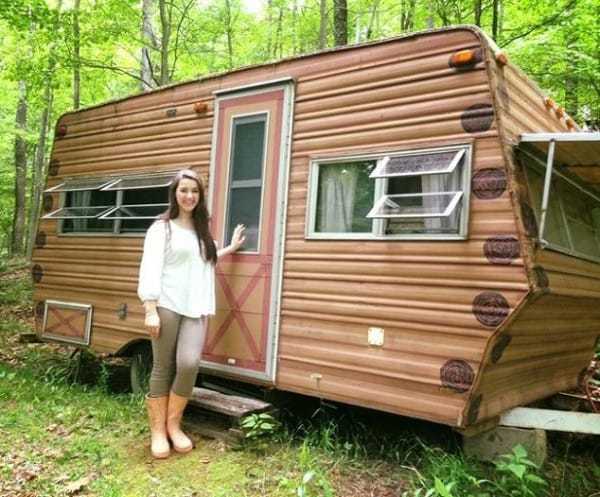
[199, 215]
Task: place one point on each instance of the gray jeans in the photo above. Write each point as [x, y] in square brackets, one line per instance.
[176, 353]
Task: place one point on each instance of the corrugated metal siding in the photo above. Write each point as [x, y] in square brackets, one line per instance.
[547, 343]
[390, 96]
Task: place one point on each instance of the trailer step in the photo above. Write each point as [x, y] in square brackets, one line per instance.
[218, 415]
[232, 406]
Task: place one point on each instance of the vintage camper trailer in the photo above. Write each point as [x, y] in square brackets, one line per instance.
[424, 226]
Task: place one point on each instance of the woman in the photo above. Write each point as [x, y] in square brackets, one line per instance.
[177, 287]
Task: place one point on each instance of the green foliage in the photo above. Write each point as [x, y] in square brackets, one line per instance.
[555, 42]
[259, 425]
[518, 474]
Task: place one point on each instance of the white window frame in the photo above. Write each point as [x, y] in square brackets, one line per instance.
[109, 184]
[381, 186]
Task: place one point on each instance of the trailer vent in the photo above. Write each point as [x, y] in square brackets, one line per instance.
[68, 322]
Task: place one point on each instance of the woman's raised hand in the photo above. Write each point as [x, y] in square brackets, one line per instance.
[238, 238]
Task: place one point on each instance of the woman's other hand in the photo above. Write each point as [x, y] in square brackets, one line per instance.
[238, 238]
[152, 323]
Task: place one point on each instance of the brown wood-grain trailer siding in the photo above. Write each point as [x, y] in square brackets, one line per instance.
[440, 302]
[545, 346]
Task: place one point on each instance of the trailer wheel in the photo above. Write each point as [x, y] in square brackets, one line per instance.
[140, 368]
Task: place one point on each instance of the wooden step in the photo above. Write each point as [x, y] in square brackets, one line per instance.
[232, 406]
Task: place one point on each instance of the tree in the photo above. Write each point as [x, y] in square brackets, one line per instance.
[18, 223]
[340, 22]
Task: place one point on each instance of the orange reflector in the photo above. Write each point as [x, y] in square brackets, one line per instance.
[200, 107]
[463, 58]
[501, 58]
[549, 103]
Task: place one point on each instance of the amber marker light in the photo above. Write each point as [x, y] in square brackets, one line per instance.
[501, 58]
[463, 58]
[200, 107]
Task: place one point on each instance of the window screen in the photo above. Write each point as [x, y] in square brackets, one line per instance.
[245, 186]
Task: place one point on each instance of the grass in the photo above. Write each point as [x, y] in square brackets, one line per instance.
[63, 433]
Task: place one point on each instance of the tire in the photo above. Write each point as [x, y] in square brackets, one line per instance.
[140, 369]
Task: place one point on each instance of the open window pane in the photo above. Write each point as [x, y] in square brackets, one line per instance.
[573, 216]
[555, 231]
[418, 164]
[135, 212]
[344, 197]
[582, 215]
[80, 184]
[416, 205]
[78, 213]
[140, 183]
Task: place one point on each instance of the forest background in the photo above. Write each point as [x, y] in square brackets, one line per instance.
[60, 55]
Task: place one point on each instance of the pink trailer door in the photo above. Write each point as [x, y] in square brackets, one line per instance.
[248, 186]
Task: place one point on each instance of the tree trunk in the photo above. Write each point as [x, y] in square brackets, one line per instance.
[38, 173]
[340, 22]
[477, 8]
[571, 79]
[165, 24]
[430, 14]
[76, 56]
[323, 24]
[408, 15]
[18, 224]
[149, 40]
[229, 33]
[372, 18]
[495, 18]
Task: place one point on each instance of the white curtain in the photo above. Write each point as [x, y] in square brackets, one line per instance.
[337, 186]
[433, 183]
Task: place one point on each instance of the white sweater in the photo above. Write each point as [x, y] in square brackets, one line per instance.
[176, 276]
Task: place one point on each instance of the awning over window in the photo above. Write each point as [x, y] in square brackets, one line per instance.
[578, 152]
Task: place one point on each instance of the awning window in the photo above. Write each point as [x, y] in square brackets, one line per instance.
[79, 184]
[563, 174]
[418, 164]
[78, 212]
[140, 183]
[423, 205]
[149, 211]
